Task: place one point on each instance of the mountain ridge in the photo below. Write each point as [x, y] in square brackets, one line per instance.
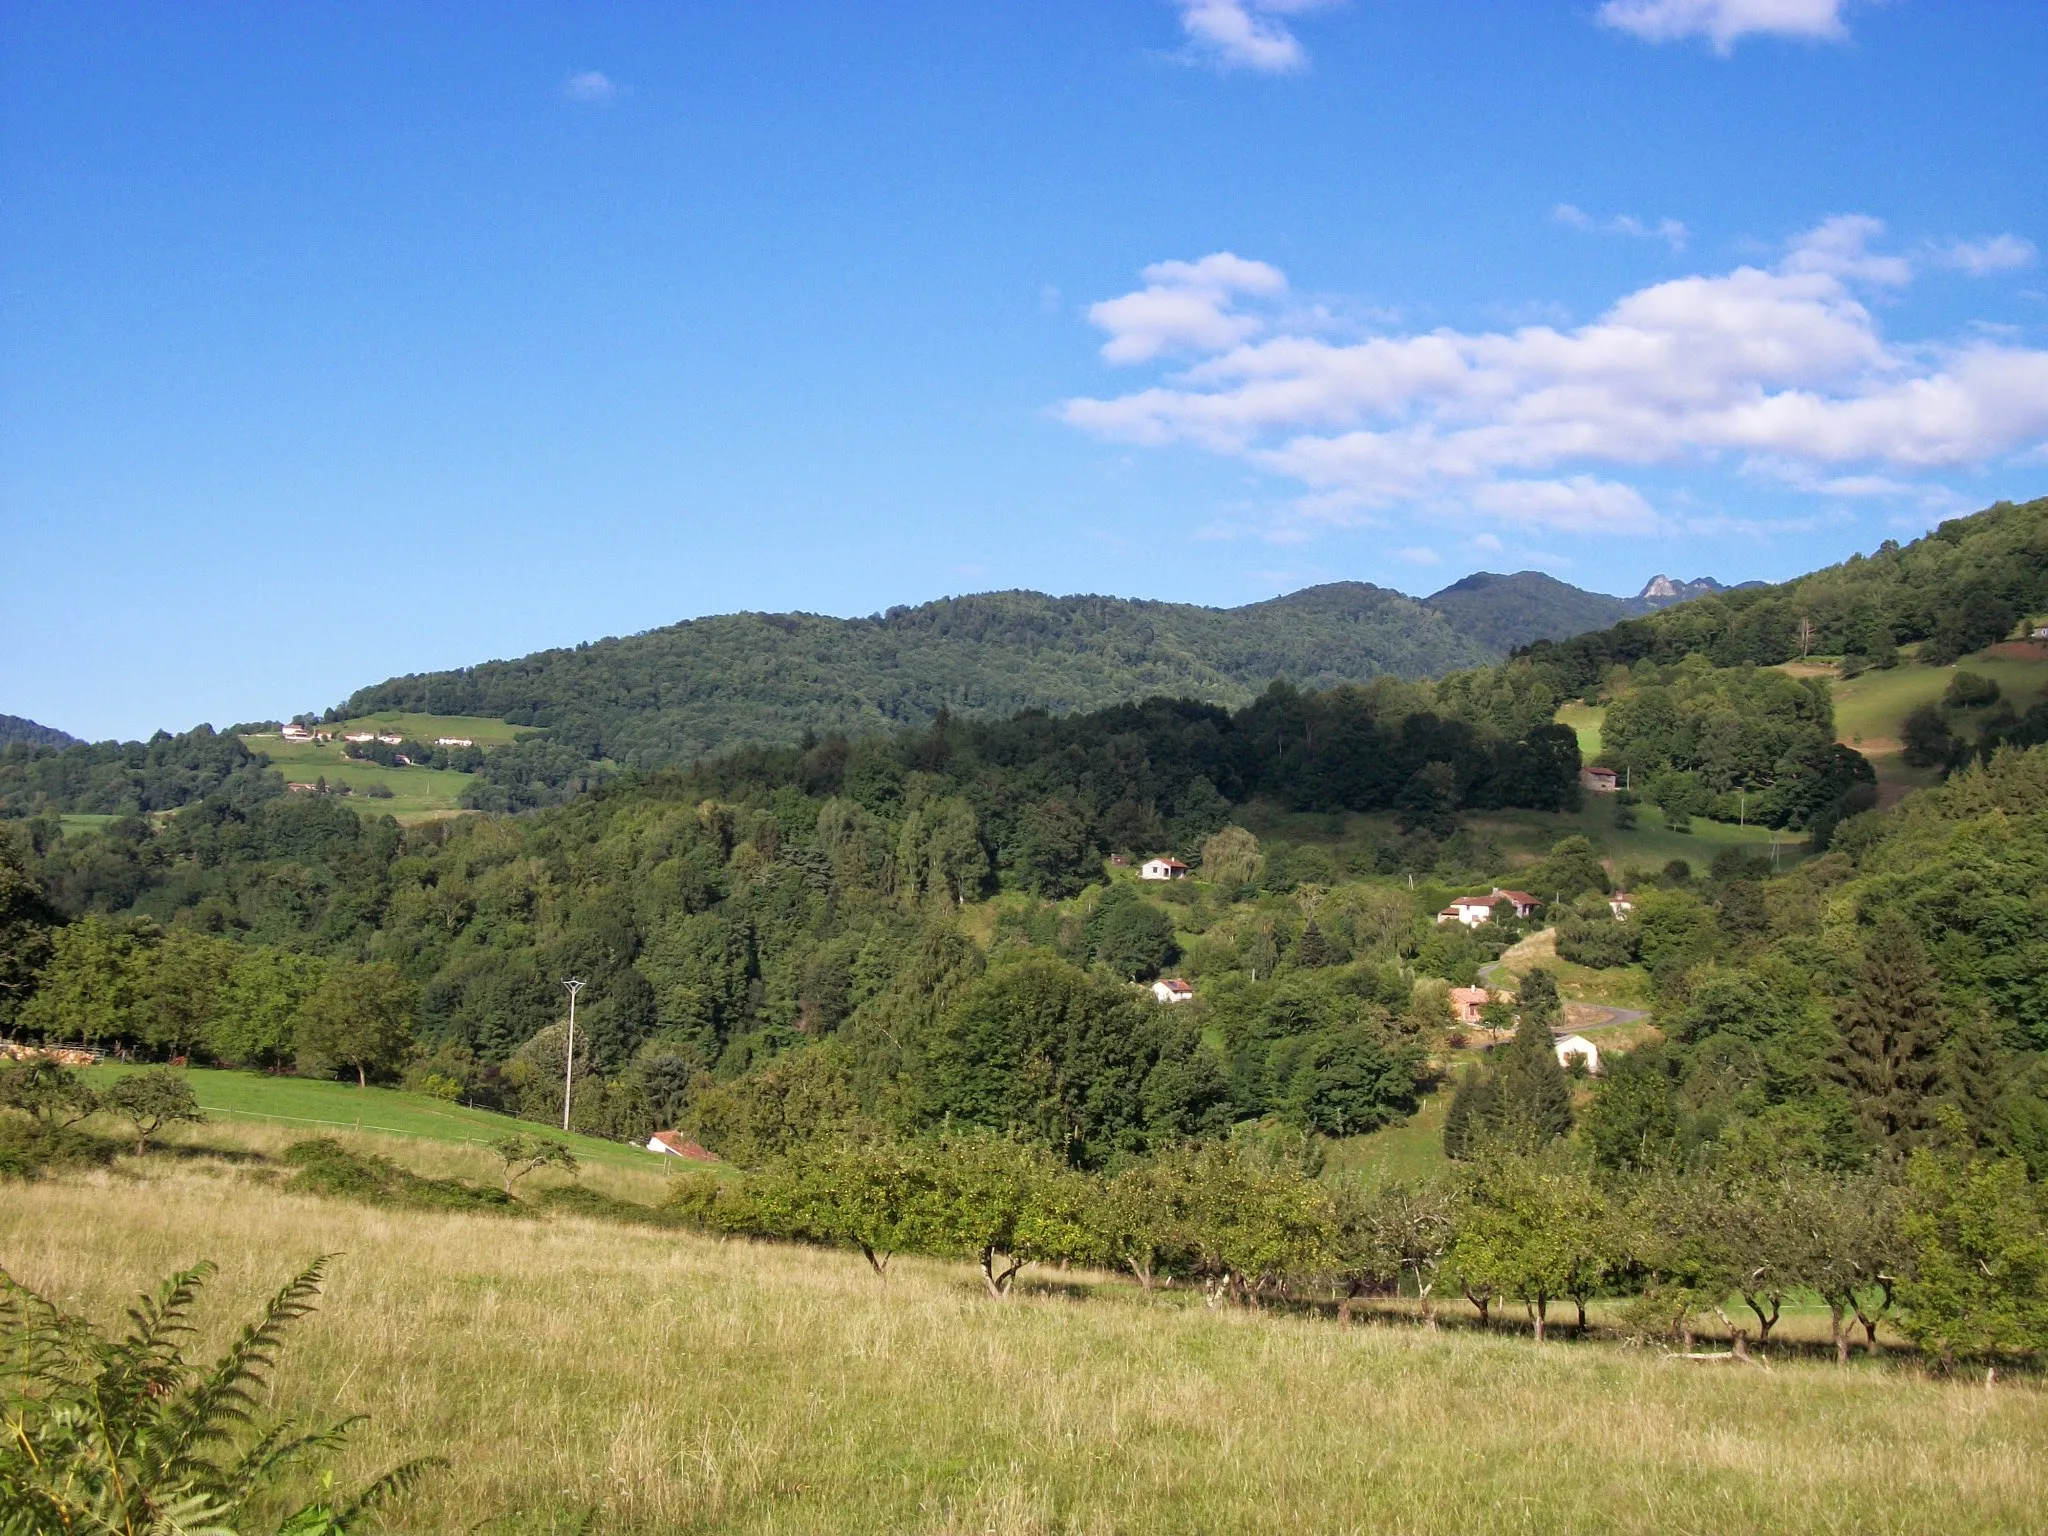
[16, 728]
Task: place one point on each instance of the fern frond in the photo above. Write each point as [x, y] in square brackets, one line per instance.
[395, 1484]
[227, 1395]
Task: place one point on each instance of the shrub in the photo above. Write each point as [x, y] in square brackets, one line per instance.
[326, 1167]
[125, 1435]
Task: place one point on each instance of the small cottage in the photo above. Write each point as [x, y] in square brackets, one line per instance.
[1524, 904]
[675, 1144]
[1172, 989]
[1162, 869]
[1466, 1003]
[1601, 781]
[1620, 906]
[1469, 910]
[1568, 1046]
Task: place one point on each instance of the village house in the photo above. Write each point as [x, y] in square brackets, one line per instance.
[389, 740]
[1474, 910]
[1568, 1046]
[1469, 910]
[453, 741]
[675, 1144]
[1172, 989]
[1466, 1003]
[296, 732]
[1168, 868]
[1601, 781]
[359, 736]
[1620, 906]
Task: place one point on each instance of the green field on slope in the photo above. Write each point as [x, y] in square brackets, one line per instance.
[417, 794]
[319, 1107]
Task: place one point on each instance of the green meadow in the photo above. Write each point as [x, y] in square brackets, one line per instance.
[417, 794]
[314, 1107]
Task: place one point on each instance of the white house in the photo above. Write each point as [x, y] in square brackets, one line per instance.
[358, 736]
[1162, 869]
[1172, 989]
[453, 741]
[1469, 910]
[389, 739]
[1577, 1045]
[1620, 906]
[296, 732]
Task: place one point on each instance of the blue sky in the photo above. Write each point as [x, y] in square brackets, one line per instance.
[341, 341]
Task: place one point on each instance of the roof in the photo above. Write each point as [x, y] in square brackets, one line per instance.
[1604, 772]
[1175, 984]
[1522, 897]
[1167, 859]
[1470, 994]
[679, 1144]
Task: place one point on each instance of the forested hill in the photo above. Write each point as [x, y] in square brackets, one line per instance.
[13, 728]
[674, 694]
[1968, 584]
[1503, 612]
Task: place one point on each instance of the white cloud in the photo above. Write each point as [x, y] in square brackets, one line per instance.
[1670, 231]
[1722, 22]
[1579, 504]
[1781, 369]
[1245, 34]
[1420, 554]
[1183, 307]
[2001, 253]
[1490, 542]
[589, 85]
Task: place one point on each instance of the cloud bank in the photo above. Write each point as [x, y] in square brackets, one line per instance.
[1722, 22]
[1779, 370]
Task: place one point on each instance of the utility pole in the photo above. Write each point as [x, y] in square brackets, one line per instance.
[575, 985]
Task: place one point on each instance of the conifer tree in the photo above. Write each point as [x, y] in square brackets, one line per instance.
[1973, 1077]
[1891, 1024]
[1537, 1001]
[1312, 948]
[1533, 1102]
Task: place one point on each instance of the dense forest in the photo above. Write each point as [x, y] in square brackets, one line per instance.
[1964, 586]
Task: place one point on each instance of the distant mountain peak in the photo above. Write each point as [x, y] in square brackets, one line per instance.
[1662, 589]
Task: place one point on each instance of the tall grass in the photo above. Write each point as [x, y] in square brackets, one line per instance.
[662, 1382]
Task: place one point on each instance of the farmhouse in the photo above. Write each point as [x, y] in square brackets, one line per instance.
[453, 741]
[1474, 910]
[296, 732]
[1466, 1003]
[1620, 906]
[1162, 869]
[1569, 1046]
[675, 1144]
[1601, 781]
[1469, 910]
[359, 736]
[1173, 990]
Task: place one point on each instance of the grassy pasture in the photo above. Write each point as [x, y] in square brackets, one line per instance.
[482, 730]
[298, 1107]
[416, 793]
[585, 1376]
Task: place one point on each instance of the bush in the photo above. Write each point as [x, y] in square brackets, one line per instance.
[1969, 690]
[1601, 944]
[124, 1434]
[326, 1167]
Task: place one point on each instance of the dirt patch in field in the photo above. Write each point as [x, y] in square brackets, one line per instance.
[2019, 650]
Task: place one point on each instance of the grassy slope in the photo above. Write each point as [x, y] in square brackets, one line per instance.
[662, 1382]
[309, 1107]
[416, 793]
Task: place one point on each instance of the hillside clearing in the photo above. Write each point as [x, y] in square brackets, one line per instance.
[315, 1107]
[583, 1376]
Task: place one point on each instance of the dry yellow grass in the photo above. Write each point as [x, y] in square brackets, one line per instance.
[670, 1383]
